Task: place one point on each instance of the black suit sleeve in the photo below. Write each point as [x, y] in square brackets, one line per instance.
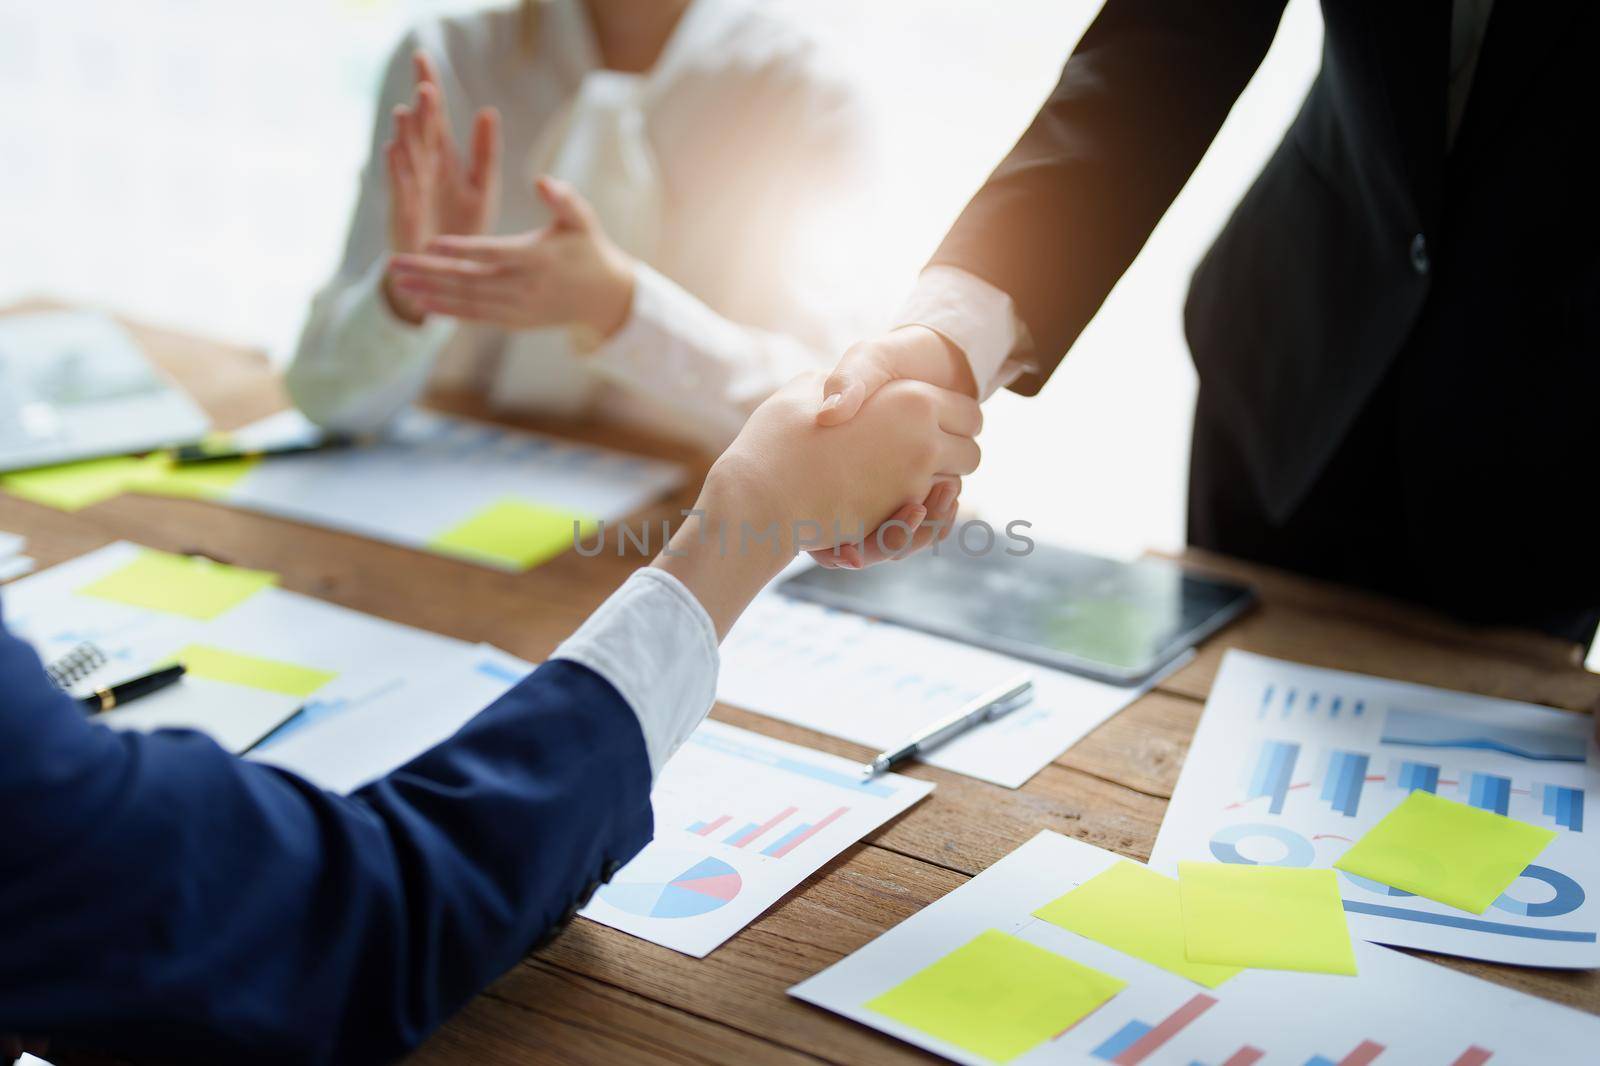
[1138, 103]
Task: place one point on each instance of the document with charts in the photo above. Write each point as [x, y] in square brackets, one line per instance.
[1397, 1009]
[740, 821]
[257, 655]
[501, 497]
[876, 684]
[1291, 764]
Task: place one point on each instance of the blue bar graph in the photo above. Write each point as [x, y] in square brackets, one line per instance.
[1120, 1041]
[747, 828]
[1565, 805]
[1347, 773]
[1274, 766]
[1489, 792]
[782, 842]
[1416, 776]
[1312, 702]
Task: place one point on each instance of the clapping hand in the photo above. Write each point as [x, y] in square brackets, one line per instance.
[568, 273]
[432, 191]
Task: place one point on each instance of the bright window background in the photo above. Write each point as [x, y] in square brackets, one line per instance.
[193, 163]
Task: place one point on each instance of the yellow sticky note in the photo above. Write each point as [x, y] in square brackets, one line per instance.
[1446, 851]
[1136, 911]
[180, 584]
[512, 534]
[1266, 917]
[159, 475]
[271, 675]
[73, 486]
[997, 996]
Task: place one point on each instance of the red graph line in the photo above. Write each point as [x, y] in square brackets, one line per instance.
[1136, 1052]
[1244, 1056]
[1364, 1053]
[764, 826]
[1473, 1056]
[809, 833]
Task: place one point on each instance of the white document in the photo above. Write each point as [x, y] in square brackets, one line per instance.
[877, 684]
[362, 653]
[343, 744]
[741, 820]
[1292, 764]
[74, 385]
[11, 543]
[432, 472]
[1398, 1010]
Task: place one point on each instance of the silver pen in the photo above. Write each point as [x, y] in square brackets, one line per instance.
[986, 708]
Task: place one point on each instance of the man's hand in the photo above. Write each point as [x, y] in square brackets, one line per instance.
[568, 273]
[431, 191]
[910, 353]
[813, 486]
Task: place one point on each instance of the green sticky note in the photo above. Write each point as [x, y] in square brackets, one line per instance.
[1266, 917]
[73, 486]
[1446, 851]
[997, 996]
[180, 584]
[512, 534]
[271, 675]
[159, 475]
[1136, 911]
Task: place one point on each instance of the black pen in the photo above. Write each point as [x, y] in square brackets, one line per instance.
[266, 738]
[986, 708]
[103, 699]
[190, 454]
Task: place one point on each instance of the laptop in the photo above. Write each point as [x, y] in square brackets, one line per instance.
[74, 385]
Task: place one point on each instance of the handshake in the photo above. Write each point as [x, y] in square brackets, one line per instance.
[871, 474]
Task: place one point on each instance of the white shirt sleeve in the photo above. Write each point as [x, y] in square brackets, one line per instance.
[359, 364]
[675, 349]
[654, 643]
[977, 318]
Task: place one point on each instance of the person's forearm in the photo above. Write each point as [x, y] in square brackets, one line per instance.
[727, 552]
[934, 359]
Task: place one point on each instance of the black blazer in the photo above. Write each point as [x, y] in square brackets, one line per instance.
[1362, 244]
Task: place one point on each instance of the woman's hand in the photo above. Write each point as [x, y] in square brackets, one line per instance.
[566, 274]
[431, 191]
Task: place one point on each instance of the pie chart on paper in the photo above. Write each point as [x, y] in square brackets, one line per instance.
[672, 884]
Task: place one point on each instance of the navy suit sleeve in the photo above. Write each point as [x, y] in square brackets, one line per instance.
[1139, 101]
[159, 896]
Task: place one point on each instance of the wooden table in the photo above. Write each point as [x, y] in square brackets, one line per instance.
[597, 995]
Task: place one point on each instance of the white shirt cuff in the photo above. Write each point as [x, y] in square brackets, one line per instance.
[369, 364]
[676, 349]
[370, 316]
[977, 318]
[654, 643]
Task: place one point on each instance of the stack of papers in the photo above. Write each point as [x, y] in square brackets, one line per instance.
[877, 684]
[1456, 823]
[496, 496]
[740, 821]
[13, 563]
[1009, 967]
[256, 655]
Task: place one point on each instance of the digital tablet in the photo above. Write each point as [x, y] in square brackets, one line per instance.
[1118, 622]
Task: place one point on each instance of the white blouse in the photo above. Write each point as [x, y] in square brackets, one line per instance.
[741, 232]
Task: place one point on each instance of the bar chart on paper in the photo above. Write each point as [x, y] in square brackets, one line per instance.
[1291, 765]
[1159, 1016]
[740, 820]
